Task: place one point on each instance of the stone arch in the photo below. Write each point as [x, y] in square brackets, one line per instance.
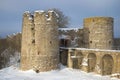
[107, 64]
[91, 62]
[77, 62]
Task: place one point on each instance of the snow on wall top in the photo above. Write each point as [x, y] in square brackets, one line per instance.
[31, 15]
[92, 49]
[64, 37]
[39, 11]
[68, 29]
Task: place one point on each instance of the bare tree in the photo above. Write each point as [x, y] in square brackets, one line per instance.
[63, 20]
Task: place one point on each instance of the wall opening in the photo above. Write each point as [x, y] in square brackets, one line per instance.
[107, 65]
[32, 28]
[90, 41]
[33, 41]
[63, 57]
[64, 42]
[91, 62]
[77, 62]
[109, 42]
[50, 42]
[80, 59]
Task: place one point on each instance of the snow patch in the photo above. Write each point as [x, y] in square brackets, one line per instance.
[13, 73]
[30, 18]
[68, 29]
[64, 37]
[48, 19]
[85, 62]
[40, 11]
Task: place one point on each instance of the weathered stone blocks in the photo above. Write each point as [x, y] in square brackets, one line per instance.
[98, 32]
[40, 47]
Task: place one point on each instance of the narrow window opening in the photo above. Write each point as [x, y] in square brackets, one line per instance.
[38, 53]
[109, 42]
[33, 41]
[32, 28]
[50, 42]
[90, 41]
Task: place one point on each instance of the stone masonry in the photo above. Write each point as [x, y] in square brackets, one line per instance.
[93, 52]
[97, 54]
[40, 45]
[98, 32]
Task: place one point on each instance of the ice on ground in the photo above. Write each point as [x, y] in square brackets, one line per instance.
[13, 73]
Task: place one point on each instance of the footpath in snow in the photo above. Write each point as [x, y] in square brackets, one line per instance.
[13, 73]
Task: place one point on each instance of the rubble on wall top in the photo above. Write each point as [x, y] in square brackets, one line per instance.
[48, 19]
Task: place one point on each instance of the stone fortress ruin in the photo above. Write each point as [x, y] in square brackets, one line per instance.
[91, 49]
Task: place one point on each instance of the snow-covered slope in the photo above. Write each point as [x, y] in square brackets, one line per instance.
[13, 73]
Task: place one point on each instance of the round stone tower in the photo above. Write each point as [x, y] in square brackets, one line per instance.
[46, 40]
[40, 47]
[98, 32]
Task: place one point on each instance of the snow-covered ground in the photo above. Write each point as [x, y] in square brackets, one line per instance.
[13, 73]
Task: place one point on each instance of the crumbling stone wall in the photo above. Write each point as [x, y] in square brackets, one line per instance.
[98, 32]
[73, 36]
[40, 45]
[104, 62]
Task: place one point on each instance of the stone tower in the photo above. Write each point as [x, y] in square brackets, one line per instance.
[27, 47]
[98, 32]
[40, 47]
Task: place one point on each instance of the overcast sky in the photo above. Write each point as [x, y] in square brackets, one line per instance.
[11, 12]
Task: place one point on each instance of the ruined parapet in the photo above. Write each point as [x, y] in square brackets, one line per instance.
[40, 41]
[71, 37]
[98, 32]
